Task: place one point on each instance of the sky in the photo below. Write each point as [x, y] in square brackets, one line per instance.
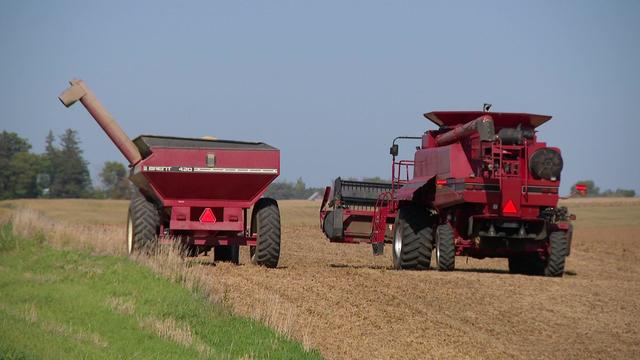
[329, 83]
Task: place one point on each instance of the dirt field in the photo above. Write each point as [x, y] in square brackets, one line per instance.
[351, 305]
[346, 303]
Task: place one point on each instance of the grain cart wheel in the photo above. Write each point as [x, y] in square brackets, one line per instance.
[412, 239]
[557, 254]
[445, 248]
[265, 222]
[143, 224]
[228, 253]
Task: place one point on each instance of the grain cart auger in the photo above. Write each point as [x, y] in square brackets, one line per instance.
[482, 185]
[196, 191]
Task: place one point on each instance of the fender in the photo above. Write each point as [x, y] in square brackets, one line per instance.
[420, 190]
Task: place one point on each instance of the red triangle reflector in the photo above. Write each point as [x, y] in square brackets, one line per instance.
[207, 216]
[509, 208]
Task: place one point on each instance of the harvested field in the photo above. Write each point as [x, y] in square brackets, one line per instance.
[341, 300]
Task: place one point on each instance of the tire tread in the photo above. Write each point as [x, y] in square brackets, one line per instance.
[146, 222]
[266, 215]
[417, 238]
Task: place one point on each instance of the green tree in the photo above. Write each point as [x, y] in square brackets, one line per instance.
[625, 192]
[619, 193]
[299, 189]
[114, 180]
[11, 144]
[49, 158]
[25, 168]
[69, 169]
[376, 179]
[280, 190]
[18, 168]
[283, 190]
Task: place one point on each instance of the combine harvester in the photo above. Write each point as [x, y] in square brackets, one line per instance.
[482, 185]
[195, 190]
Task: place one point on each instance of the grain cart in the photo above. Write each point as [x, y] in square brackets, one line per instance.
[482, 185]
[195, 190]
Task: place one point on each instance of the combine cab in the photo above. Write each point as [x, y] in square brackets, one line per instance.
[195, 190]
[482, 185]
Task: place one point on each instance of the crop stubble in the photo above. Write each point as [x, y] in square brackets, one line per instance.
[349, 304]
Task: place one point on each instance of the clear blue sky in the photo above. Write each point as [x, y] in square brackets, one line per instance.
[329, 83]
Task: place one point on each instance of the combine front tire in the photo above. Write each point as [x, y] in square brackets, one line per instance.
[265, 222]
[412, 239]
[445, 248]
[143, 224]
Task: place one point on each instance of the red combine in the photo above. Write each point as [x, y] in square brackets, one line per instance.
[482, 185]
[195, 190]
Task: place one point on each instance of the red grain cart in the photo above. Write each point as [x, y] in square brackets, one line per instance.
[482, 185]
[196, 190]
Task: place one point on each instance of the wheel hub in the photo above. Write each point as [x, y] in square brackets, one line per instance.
[397, 242]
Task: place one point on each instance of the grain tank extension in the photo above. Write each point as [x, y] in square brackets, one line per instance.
[197, 191]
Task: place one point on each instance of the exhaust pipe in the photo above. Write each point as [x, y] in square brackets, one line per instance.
[79, 91]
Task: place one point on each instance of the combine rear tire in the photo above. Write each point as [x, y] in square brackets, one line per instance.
[227, 253]
[532, 264]
[143, 224]
[557, 253]
[445, 248]
[412, 239]
[265, 222]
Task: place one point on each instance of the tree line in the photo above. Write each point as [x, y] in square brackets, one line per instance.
[60, 172]
[283, 190]
[594, 191]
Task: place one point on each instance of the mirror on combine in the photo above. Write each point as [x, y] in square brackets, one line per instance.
[393, 150]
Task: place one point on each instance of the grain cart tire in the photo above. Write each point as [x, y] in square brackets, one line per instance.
[143, 224]
[557, 254]
[412, 239]
[227, 253]
[265, 222]
[445, 248]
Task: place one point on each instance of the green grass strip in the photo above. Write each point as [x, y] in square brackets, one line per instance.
[58, 304]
